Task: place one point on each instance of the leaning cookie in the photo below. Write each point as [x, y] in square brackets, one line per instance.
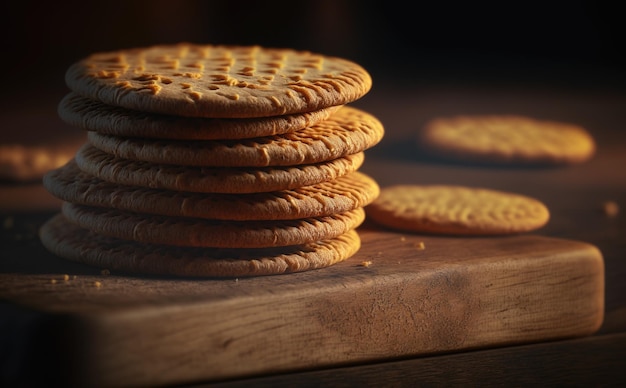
[506, 139]
[457, 210]
[71, 242]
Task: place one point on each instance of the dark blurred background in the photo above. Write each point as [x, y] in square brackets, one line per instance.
[575, 44]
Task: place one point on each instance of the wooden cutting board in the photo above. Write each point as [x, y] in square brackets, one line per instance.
[391, 300]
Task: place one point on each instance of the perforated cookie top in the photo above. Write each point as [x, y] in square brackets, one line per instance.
[447, 209]
[218, 81]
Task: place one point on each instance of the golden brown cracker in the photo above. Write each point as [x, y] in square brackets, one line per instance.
[212, 180]
[196, 80]
[197, 232]
[71, 242]
[345, 193]
[460, 210]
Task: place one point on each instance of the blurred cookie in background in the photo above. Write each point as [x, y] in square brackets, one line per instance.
[506, 140]
[33, 142]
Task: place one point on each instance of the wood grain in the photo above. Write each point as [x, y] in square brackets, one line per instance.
[596, 361]
[456, 294]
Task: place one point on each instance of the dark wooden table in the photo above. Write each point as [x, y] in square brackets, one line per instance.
[575, 196]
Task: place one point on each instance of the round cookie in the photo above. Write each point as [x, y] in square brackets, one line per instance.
[456, 210]
[218, 81]
[345, 193]
[211, 180]
[77, 244]
[507, 140]
[346, 132]
[92, 115]
[197, 232]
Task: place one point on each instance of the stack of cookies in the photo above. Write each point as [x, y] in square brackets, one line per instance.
[213, 161]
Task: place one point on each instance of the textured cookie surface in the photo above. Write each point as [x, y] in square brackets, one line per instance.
[345, 193]
[211, 180]
[92, 115]
[457, 210]
[346, 132]
[71, 242]
[196, 232]
[218, 81]
[507, 139]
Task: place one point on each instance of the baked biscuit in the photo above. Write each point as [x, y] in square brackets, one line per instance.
[347, 132]
[213, 161]
[457, 210]
[71, 242]
[340, 195]
[92, 115]
[218, 81]
[197, 232]
[507, 140]
[211, 180]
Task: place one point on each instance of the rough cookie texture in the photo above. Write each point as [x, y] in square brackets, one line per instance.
[92, 115]
[347, 132]
[218, 81]
[507, 140]
[211, 180]
[205, 160]
[457, 210]
[71, 242]
[196, 232]
[345, 193]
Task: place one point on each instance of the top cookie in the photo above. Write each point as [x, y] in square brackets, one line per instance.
[218, 81]
[507, 140]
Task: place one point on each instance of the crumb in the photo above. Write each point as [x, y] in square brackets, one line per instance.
[366, 263]
[74, 277]
[53, 281]
[420, 245]
[66, 277]
[403, 239]
[105, 272]
[236, 280]
[97, 284]
[610, 208]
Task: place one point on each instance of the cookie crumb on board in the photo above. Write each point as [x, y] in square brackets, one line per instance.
[97, 284]
[366, 263]
[420, 245]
